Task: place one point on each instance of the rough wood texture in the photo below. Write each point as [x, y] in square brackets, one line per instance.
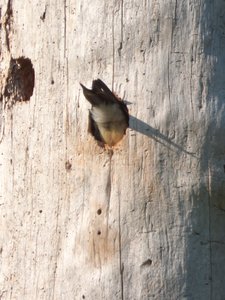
[147, 222]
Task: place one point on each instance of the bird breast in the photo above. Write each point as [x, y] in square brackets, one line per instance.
[107, 113]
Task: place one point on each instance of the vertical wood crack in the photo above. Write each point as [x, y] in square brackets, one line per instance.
[120, 254]
[65, 28]
[113, 49]
[121, 30]
[210, 231]
[7, 23]
[168, 80]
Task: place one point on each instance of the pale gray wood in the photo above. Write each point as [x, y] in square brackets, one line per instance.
[148, 222]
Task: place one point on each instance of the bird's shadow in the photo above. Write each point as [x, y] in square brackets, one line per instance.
[143, 128]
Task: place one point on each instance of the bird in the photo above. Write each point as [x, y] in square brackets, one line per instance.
[108, 116]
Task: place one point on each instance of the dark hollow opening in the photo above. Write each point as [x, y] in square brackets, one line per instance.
[99, 211]
[20, 81]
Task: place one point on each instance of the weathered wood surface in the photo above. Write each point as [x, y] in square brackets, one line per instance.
[148, 222]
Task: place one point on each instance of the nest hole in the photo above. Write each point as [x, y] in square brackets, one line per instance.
[20, 81]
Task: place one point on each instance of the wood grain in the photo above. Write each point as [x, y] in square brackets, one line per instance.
[148, 221]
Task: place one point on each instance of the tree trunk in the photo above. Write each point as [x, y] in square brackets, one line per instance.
[146, 221]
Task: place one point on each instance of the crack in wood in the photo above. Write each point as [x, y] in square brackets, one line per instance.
[121, 265]
[65, 28]
[7, 23]
[113, 49]
[209, 183]
[121, 30]
[43, 16]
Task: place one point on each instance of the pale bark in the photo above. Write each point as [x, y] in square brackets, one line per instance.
[147, 222]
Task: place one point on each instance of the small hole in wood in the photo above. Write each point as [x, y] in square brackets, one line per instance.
[42, 17]
[99, 232]
[146, 263]
[68, 165]
[83, 297]
[99, 211]
[40, 211]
